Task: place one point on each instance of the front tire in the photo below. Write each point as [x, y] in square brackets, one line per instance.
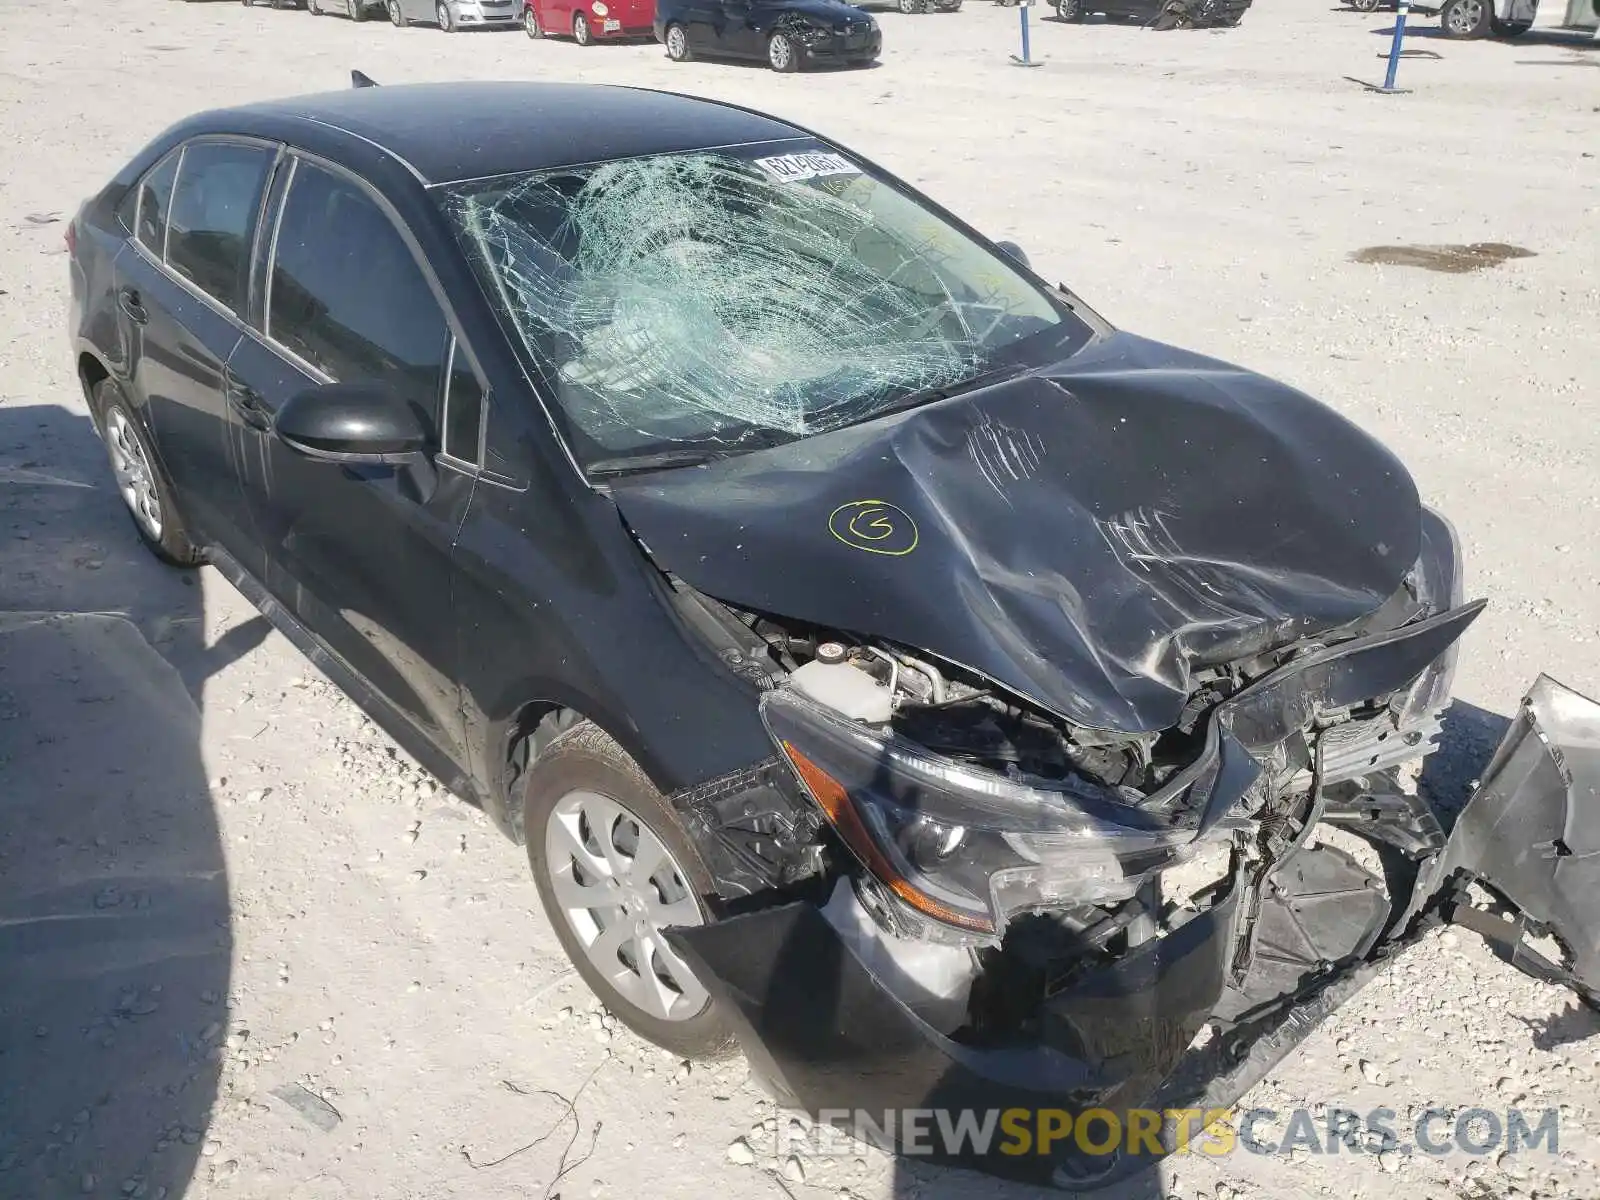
[530, 23]
[1465, 18]
[581, 32]
[1069, 10]
[314, 8]
[356, 10]
[1365, 6]
[614, 867]
[396, 17]
[143, 485]
[678, 44]
[447, 23]
[782, 54]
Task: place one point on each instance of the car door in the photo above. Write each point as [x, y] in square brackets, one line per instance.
[361, 555]
[180, 288]
[735, 30]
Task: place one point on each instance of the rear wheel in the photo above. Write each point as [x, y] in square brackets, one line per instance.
[1508, 29]
[396, 17]
[782, 54]
[678, 44]
[1364, 6]
[614, 868]
[530, 23]
[580, 29]
[1465, 18]
[141, 483]
[313, 8]
[1069, 10]
[356, 10]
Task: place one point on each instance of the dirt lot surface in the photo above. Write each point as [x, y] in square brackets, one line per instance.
[245, 950]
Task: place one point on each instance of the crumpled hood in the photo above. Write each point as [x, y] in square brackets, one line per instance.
[1085, 534]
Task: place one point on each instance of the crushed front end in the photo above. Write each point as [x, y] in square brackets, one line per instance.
[1019, 913]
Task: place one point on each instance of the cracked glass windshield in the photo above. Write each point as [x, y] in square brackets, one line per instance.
[687, 306]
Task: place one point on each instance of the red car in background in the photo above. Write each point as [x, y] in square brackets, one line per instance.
[586, 20]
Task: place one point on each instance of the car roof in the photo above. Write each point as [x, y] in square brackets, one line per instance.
[449, 132]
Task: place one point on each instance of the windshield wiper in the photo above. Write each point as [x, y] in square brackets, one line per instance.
[661, 460]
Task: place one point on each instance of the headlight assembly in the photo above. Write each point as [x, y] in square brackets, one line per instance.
[962, 845]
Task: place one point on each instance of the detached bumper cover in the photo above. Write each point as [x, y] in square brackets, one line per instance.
[1532, 833]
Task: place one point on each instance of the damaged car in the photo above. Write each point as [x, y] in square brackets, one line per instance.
[891, 668]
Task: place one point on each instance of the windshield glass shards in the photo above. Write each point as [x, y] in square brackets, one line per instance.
[725, 300]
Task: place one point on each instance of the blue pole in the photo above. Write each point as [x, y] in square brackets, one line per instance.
[1023, 9]
[1394, 48]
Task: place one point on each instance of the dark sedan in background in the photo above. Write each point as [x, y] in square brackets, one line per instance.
[789, 35]
[887, 664]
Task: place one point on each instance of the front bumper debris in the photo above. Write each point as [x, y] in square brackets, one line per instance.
[830, 1037]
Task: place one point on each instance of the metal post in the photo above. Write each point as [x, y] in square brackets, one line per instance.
[1027, 57]
[1394, 49]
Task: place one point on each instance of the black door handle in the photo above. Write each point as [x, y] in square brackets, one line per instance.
[245, 401]
[128, 300]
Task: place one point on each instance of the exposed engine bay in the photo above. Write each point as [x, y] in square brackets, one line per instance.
[1341, 767]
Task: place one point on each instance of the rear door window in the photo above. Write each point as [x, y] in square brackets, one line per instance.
[347, 296]
[212, 216]
[155, 194]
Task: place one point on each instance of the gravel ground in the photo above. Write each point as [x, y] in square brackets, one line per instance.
[247, 949]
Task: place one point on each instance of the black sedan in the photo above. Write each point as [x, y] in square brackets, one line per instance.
[887, 664]
[790, 35]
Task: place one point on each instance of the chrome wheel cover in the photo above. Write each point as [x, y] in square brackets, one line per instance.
[135, 477]
[677, 42]
[618, 886]
[779, 52]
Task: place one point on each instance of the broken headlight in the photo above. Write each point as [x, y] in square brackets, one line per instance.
[960, 844]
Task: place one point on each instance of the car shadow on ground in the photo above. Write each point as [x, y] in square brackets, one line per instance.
[114, 911]
[1569, 39]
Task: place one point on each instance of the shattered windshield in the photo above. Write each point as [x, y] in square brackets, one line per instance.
[685, 306]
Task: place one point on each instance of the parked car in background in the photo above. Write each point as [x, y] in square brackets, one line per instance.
[588, 20]
[451, 15]
[1159, 14]
[914, 7]
[789, 35]
[356, 10]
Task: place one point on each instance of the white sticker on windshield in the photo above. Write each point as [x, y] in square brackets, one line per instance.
[792, 168]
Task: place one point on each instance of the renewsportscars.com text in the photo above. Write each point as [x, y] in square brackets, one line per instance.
[1215, 1131]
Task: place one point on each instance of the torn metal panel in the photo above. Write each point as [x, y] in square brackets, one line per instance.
[1087, 534]
[1532, 829]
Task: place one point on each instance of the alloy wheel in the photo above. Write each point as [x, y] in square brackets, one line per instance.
[677, 43]
[580, 29]
[446, 22]
[396, 17]
[780, 53]
[530, 23]
[618, 886]
[135, 479]
[1463, 18]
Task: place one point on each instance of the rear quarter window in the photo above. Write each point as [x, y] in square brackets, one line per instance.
[154, 195]
[212, 216]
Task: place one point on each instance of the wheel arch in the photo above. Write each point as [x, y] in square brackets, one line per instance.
[529, 727]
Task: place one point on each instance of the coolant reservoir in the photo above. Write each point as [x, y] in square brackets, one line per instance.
[847, 690]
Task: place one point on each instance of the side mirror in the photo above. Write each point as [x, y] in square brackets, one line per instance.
[1016, 252]
[350, 423]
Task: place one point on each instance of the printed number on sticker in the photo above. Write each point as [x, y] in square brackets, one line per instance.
[791, 168]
